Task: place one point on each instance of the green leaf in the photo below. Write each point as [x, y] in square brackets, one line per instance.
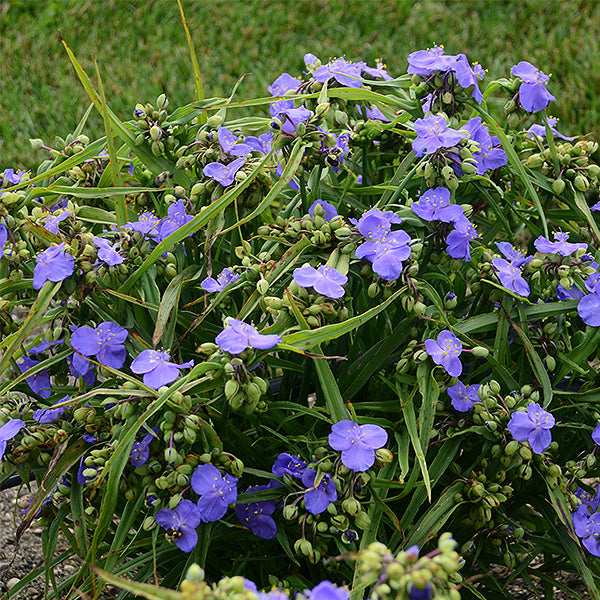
[198, 88]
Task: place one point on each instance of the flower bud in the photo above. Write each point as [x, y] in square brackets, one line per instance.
[480, 352]
[362, 520]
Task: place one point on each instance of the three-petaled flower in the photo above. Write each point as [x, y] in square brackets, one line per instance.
[325, 280]
[8, 432]
[533, 94]
[433, 133]
[559, 246]
[157, 368]
[224, 278]
[445, 352]
[319, 494]
[357, 443]
[257, 515]
[105, 342]
[53, 264]
[533, 426]
[238, 336]
[216, 492]
[224, 174]
[181, 524]
[462, 396]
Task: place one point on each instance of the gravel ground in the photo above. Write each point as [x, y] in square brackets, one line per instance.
[17, 561]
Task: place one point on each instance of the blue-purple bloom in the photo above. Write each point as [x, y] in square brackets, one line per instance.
[283, 84]
[462, 396]
[559, 246]
[532, 426]
[596, 434]
[79, 366]
[50, 222]
[157, 368]
[420, 593]
[106, 252]
[357, 443]
[47, 415]
[53, 264]
[291, 464]
[257, 515]
[328, 591]
[317, 497]
[445, 352]
[325, 280]
[379, 71]
[587, 527]
[224, 278]
[146, 223]
[434, 133]
[105, 342]
[328, 208]
[343, 71]
[140, 451]
[458, 240]
[216, 492]
[181, 524]
[230, 143]
[3, 237]
[38, 382]
[176, 218]
[291, 117]
[237, 336]
[224, 174]
[372, 112]
[262, 143]
[490, 154]
[8, 432]
[540, 130]
[533, 94]
[434, 205]
[511, 276]
[513, 254]
[425, 62]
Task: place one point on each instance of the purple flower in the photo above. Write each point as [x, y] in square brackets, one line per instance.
[511, 277]
[532, 426]
[292, 183]
[434, 205]
[434, 133]
[560, 246]
[224, 278]
[223, 174]
[256, 515]
[261, 144]
[43, 346]
[176, 218]
[12, 177]
[589, 308]
[328, 591]
[374, 113]
[378, 72]
[467, 76]
[230, 143]
[53, 264]
[596, 435]
[386, 254]
[140, 451]
[181, 524]
[157, 369]
[329, 209]
[146, 223]
[318, 496]
[420, 593]
[343, 71]
[47, 415]
[106, 252]
[291, 117]
[458, 240]
[540, 130]
[533, 94]
[490, 155]
[3, 237]
[424, 62]
[587, 527]
[357, 443]
[8, 432]
[587, 499]
[283, 84]
[38, 382]
[50, 222]
[513, 254]
[277, 108]
[238, 336]
[105, 342]
[463, 396]
[216, 492]
[325, 280]
[445, 351]
[292, 465]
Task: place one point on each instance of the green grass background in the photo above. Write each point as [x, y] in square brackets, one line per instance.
[141, 51]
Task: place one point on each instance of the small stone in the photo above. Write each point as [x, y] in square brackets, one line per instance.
[12, 582]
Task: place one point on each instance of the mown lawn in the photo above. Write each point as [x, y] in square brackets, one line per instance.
[141, 50]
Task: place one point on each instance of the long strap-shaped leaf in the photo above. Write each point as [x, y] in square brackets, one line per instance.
[154, 163]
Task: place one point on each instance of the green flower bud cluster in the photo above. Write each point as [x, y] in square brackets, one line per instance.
[395, 577]
[244, 390]
[151, 125]
[483, 494]
[574, 160]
